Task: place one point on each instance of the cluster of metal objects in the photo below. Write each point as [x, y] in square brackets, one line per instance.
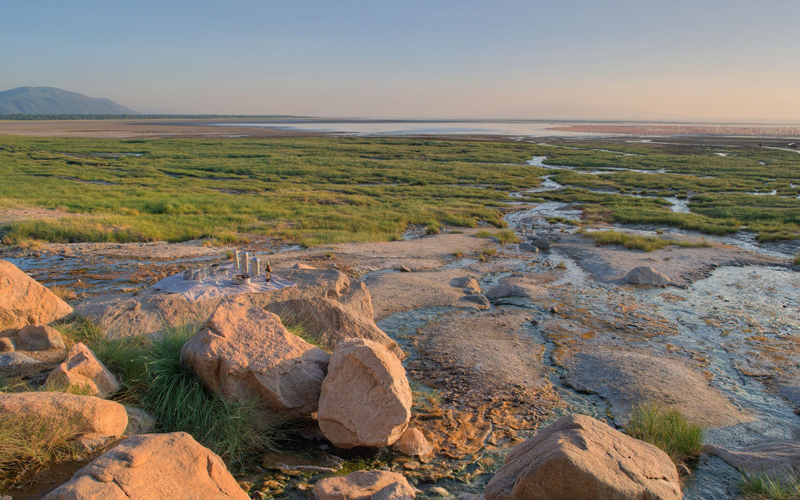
[250, 267]
[244, 269]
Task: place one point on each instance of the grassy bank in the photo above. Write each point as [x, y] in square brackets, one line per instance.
[639, 242]
[325, 190]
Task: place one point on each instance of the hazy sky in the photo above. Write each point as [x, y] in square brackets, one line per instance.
[723, 59]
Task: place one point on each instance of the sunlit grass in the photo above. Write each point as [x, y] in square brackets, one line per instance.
[639, 242]
[667, 429]
[770, 487]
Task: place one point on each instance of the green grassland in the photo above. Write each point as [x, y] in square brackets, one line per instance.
[320, 190]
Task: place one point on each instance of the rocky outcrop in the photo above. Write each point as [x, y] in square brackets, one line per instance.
[515, 290]
[540, 243]
[26, 302]
[413, 443]
[644, 275]
[153, 466]
[149, 312]
[39, 338]
[468, 284]
[778, 458]
[580, 457]
[244, 352]
[365, 485]
[365, 399]
[88, 413]
[331, 322]
[83, 369]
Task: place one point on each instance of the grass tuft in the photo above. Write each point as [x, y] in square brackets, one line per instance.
[507, 236]
[797, 260]
[483, 234]
[63, 292]
[770, 487]
[638, 242]
[667, 429]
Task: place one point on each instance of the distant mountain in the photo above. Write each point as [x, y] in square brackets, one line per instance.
[53, 101]
[572, 111]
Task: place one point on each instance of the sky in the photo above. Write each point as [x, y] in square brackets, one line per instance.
[667, 59]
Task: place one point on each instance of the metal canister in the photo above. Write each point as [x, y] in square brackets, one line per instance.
[255, 267]
[236, 260]
[246, 266]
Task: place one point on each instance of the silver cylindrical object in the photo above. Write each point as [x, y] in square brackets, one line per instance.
[255, 267]
[236, 260]
[246, 269]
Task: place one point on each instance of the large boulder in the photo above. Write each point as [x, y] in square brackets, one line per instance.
[365, 399]
[778, 458]
[39, 338]
[90, 414]
[25, 301]
[83, 369]
[332, 322]
[153, 467]
[365, 485]
[580, 457]
[244, 352]
[644, 275]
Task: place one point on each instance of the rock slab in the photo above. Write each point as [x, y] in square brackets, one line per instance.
[26, 302]
[153, 467]
[773, 457]
[413, 443]
[244, 352]
[365, 485]
[83, 369]
[580, 457]
[90, 414]
[365, 399]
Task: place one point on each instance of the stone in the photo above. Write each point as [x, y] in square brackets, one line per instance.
[439, 491]
[6, 345]
[481, 300]
[300, 265]
[139, 421]
[580, 457]
[15, 360]
[366, 398]
[405, 269]
[39, 338]
[358, 298]
[90, 414]
[331, 322]
[83, 369]
[413, 443]
[644, 275]
[25, 301]
[244, 352]
[781, 458]
[528, 247]
[468, 284]
[365, 485]
[540, 243]
[470, 496]
[153, 467]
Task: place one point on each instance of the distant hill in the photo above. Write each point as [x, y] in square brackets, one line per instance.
[53, 101]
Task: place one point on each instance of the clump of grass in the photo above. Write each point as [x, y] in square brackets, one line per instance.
[30, 442]
[770, 487]
[667, 429]
[639, 242]
[483, 234]
[433, 229]
[797, 260]
[507, 236]
[489, 251]
[153, 378]
[63, 292]
[458, 254]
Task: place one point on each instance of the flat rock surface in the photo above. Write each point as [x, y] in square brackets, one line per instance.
[626, 378]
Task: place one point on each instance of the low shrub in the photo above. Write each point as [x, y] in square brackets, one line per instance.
[667, 429]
